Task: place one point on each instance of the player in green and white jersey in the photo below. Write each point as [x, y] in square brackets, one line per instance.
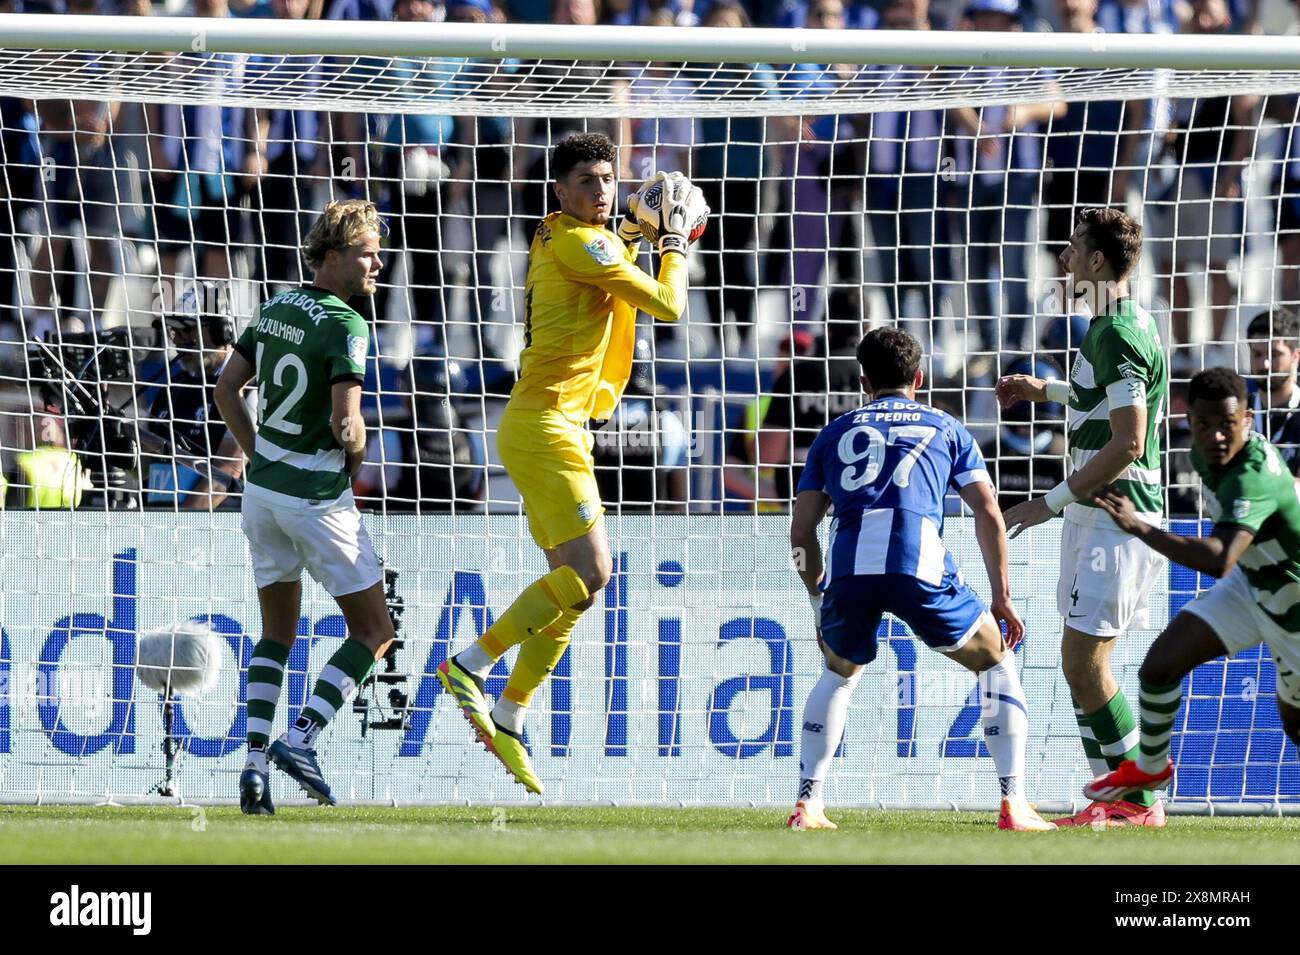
[1254, 551]
[1116, 394]
[307, 350]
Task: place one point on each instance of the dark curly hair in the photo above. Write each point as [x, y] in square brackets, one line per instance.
[889, 357]
[1216, 384]
[581, 147]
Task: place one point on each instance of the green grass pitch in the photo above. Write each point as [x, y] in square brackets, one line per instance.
[606, 835]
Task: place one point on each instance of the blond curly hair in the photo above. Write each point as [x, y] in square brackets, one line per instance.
[341, 224]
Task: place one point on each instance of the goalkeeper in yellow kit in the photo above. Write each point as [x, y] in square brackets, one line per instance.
[581, 299]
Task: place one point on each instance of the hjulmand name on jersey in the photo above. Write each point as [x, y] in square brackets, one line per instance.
[314, 309]
[270, 326]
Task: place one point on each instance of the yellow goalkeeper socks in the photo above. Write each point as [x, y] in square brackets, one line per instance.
[538, 657]
[538, 608]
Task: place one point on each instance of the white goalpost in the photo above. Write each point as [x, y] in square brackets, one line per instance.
[158, 177]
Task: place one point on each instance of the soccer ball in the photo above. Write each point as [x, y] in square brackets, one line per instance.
[649, 214]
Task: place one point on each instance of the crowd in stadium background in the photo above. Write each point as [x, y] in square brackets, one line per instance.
[801, 217]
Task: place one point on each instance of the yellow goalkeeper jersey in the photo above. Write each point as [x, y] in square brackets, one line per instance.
[580, 302]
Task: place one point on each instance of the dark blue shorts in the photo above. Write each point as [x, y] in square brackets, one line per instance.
[943, 616]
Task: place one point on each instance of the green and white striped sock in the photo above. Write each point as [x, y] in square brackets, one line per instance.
[1096, 762]
[1117, 737]
[265, 677]
[1159, 705]
[339, 679]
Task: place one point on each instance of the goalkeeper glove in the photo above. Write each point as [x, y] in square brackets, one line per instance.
[629, 228]
[682, 213]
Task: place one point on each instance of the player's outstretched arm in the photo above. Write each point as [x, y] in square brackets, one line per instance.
[1215, 555]
[663, 297]
[990, 532]
[805, 548]
[228, 395]
[1128, 427]
[1012, 389]
[587, 256]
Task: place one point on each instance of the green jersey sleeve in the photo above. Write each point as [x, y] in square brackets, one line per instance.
[1246, 499]
[348, 344]
[1124, 368]
[247, 343]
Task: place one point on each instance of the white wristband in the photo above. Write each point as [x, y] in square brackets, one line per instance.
[672, 242]
[1058, 391]
[816, 601]
[1059, 496]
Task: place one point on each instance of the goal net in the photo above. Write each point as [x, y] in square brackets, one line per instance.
[159, 175]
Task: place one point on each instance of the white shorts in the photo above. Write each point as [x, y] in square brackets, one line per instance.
[327, 539]
[1233, 613]
[1106, 577]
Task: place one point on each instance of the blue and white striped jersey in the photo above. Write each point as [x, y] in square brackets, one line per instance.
[886, 468]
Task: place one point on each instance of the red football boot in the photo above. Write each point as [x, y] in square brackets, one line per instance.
[1126, 778]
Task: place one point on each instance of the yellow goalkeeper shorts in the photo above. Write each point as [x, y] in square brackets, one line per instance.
[549, 459]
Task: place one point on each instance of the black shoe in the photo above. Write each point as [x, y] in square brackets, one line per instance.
[255, 794]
